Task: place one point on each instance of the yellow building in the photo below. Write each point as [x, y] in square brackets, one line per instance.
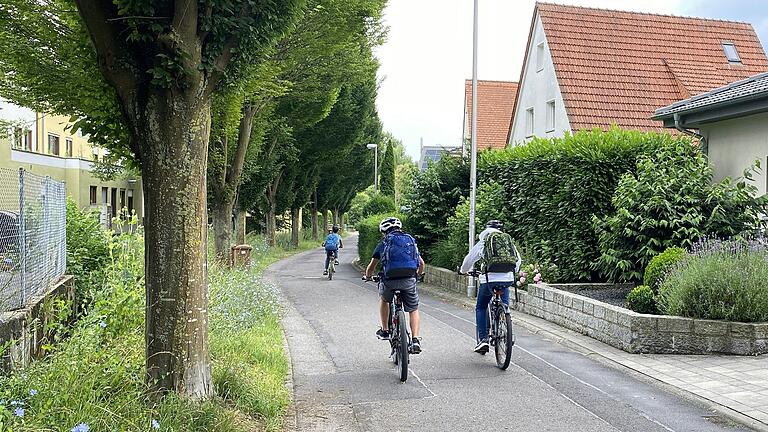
[45, 145]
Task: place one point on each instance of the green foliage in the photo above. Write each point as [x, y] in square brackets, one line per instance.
[87, 250]
[553, 187]
[97, 375]
[449, 252]
[405, 173]
[535, 272]
[722, 280]
[357, 204]
[642, 300]
[661, 265]
[387, 172]
[369, 235]
[670, 201]
[378, 204]
[436, 193]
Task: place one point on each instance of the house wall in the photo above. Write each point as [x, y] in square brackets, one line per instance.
[535, 90]
[74, 171]
[735, 144]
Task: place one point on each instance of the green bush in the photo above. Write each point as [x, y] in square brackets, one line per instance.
[553, 187]
[642, 299]
[722, 280]
[436, 193]
[378, 204]
[87, 250]
[369, 235]
[670, 201]
[661, 265]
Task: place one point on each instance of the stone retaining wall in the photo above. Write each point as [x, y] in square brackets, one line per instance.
[447, 279]
[640, 333]
[25, 326]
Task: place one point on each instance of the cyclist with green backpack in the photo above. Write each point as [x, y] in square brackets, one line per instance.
[499, 262]
[401, 264]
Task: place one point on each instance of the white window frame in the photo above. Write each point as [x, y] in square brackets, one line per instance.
[58, 144]
[550, 116]
[529, 122]
[540, 56]
[735, 52]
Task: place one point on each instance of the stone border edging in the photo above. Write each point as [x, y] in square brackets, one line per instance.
[641, 333]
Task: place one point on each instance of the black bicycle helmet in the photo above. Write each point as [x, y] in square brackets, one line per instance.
[496, 224]
[390, 223]
[335, 228]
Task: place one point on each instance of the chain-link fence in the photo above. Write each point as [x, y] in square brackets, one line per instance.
[33, 239]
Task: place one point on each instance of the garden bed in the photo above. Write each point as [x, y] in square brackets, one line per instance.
[614, 294]
[641, 333]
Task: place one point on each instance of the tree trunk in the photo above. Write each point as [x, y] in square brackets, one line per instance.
[335, 216]
[295, 226]
[315, 231]
[272, 212]
[175, 128]
[325, 222]
[240, 227]
[222, 230]
[341, 221]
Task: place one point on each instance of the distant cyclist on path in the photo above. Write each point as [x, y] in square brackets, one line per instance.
[401, 263]
[332, 243]
[500, 262]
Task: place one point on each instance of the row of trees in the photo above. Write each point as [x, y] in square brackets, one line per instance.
[253, 104]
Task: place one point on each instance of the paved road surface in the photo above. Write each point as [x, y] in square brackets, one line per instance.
[344, 381]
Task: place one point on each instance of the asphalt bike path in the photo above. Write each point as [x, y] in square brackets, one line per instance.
[343, 380]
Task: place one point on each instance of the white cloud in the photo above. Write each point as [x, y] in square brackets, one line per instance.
[429, 55]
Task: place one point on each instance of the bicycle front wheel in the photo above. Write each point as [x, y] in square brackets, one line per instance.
[505, 339]
[402, 349]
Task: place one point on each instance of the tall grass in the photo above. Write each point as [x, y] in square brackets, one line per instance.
[96, 377]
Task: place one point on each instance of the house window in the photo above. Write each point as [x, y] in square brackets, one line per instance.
[53, 144]
[550, 116]
[95, 154]
[130, 202]
[105, 195]
[94, 191]
[730, 52]
[28, 141]
[540, 57]
[22, 139]
[529, 122]
[68, 144]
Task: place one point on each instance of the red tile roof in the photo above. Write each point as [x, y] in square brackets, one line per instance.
[618, 67]
[495, 103]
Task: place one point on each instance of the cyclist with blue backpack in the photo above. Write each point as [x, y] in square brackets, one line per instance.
[500, 261]
[332, 244]
[401, 264]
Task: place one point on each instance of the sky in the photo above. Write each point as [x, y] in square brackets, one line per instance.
[428, 54]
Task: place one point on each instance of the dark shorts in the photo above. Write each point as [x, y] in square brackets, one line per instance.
[408, 293]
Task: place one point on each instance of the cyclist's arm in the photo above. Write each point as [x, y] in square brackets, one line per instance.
[371, 268]
[421, 266]
[472, 257]
[341, 244]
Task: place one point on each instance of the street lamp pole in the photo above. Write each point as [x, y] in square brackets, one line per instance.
[473, 155]
[375, 148]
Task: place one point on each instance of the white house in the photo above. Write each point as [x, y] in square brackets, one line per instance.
[588, 68]
[732, 122]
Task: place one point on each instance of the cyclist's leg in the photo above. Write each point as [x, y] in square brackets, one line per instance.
[385, 297]
[327, 260]
[484, 295]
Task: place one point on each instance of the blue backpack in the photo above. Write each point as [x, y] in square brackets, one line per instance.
[400, 257]
[332, 242]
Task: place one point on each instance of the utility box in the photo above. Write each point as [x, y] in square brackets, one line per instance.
[241, 255]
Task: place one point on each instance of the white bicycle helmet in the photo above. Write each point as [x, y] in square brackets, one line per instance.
[389, 223]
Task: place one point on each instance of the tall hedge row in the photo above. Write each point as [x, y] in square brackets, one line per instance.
[554, 187]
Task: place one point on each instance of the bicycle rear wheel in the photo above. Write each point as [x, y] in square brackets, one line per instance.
[331, 269]
[402, 346]
[505, 338]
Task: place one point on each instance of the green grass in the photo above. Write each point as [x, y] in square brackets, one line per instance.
[96, 376]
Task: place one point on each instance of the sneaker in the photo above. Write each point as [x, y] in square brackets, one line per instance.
[415, 346]
[382, 334]
[482, 347]
[325, 273]
[336, 262]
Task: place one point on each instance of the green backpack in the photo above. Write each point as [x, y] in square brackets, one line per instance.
[499, 253]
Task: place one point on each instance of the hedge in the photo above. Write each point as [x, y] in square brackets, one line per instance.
[553, 188]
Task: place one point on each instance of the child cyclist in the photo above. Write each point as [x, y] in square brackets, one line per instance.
[332, 244]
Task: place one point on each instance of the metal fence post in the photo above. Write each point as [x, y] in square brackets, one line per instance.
[22, 239]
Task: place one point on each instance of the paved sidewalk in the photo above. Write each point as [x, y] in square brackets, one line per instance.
[737, 385]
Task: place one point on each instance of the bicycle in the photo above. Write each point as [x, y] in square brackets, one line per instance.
[331, 263]
[400, 337]
[501, 335]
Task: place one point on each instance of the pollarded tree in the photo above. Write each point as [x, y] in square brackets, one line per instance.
[139, 75]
